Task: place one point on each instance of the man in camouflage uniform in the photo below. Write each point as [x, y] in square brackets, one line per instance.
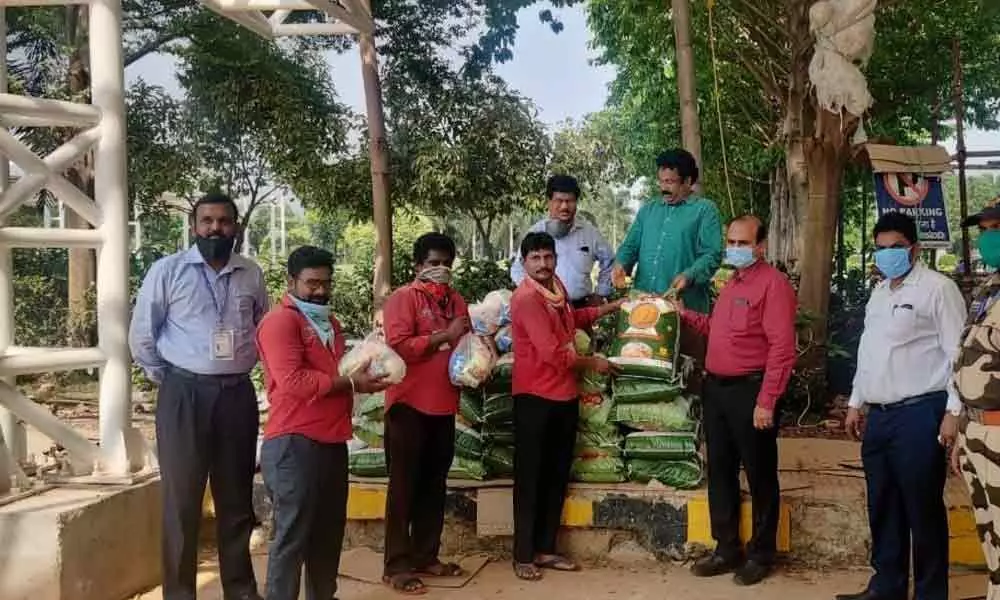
[976, 456]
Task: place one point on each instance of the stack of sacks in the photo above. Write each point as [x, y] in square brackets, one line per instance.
[498, 419]
[598, 453]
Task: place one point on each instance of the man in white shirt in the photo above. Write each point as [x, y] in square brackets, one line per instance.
[913, 324]
[578, 245]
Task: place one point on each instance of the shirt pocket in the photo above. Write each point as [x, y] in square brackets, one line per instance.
[740, 315]
[902, 320]
[245, 305]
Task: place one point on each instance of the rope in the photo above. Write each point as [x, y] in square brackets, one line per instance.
[718, 106]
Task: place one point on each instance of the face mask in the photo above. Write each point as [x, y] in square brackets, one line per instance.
[439, 274]
[989, 248]
[893, 262]
[557, 229]
[739, 257]
[311, 308]
[318, 316]
[215, 248]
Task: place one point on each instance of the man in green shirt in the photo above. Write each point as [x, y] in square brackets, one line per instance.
[675, 242]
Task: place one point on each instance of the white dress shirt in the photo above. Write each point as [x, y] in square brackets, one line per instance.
[911, 339]
[576, 253]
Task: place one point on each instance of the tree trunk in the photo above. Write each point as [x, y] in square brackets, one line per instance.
[690, 126]
[782, 244]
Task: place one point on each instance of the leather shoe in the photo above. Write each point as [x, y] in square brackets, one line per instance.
[751, 573]
[865, 595]
[714, 565]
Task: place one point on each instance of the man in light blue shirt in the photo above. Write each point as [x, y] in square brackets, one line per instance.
[578, 245]
[192, 332]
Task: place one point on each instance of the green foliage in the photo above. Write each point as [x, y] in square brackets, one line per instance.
[474, 279]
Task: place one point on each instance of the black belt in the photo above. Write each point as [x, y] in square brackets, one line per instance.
[726, 380]
[223, 380]
[912, 400]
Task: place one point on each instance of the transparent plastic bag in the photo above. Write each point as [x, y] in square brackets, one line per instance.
[471, 362]
[384, 361]
[492, 313]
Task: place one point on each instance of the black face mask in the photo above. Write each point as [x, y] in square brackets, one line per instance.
[215, 248]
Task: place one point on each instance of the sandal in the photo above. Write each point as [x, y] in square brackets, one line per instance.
[556, 563]
[406, 583]
[527, 571]
[440, 569]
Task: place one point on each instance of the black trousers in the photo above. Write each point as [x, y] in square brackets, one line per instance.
[546, 435]
[905, 469]
[732, 441]
[307, 483]
[206, 429]
[419, 449]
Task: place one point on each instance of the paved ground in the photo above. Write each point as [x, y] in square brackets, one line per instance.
[652, 582]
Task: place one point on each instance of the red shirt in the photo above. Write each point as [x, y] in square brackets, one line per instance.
[410, 316]
[752, 329]
[543, 344]
[299, 370]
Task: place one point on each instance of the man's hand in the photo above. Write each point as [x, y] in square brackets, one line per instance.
[949, 430]
[854, 423]
[368, 384]
[457, 328]
[763, 418]
[954, 458]
[680, 283]
[594, 300]
[604, 366]
[618, 277]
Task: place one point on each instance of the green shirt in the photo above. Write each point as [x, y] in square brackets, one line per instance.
[667, 240]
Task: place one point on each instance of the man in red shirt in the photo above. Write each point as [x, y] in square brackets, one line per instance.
[304, 455]
[751, 353]
[422, 321]
[546, 407]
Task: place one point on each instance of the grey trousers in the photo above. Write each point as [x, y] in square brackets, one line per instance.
[206, 429]
[307, 483]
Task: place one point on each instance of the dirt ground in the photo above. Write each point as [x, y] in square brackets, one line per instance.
[653, 582]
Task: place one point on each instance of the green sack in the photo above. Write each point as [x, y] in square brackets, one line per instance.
[468, 442]
[595, 410]
[369, 462]
[498, 433]
[498, 408]
[592, 382]
[606, 469]
[499, 460]
[661, 446]
[465, 468]
[669, 416]
[680, 474]
[503, 371]
[594, 444]
[631, 390]
[371, 406]
[647, 337]
[470, 407]
[372, 433]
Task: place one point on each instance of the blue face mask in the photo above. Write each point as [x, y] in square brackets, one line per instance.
[893, 262]
[318, 316]
[739, 257]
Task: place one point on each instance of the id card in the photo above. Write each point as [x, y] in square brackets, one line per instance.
[223, 344]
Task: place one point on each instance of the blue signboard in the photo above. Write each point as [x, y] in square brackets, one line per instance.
[921, 197]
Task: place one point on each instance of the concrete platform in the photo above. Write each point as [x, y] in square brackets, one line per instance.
[75, 543]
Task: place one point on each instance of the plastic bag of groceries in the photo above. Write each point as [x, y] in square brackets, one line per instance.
[504, 339]
[384, 361]
[492, 313]
[471, 362]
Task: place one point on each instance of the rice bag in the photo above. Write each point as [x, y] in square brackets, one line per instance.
[492, 313]
[499, 460]
[498, 409]
[680, 474]
[647, 337]
[504, 339]
[631, 390]
[471, 362]
[470, 406]
[655, 445]
[465, 468]
[598, 470]
[369, 462]
[468, 442]
[597, 444]
[371, 406]
[592, 382]
[372, 433]
[498, 433]
[595, 410]
[666, 416]
[503, 374]
[384, 361]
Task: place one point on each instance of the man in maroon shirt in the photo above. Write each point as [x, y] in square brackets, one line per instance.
[751, 353]
[304, 455]
[423, 321]
[546, 407]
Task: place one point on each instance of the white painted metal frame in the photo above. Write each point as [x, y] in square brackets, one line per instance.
[121, 452]
[267, 18]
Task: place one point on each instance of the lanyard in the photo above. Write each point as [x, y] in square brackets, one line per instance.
[220, 309]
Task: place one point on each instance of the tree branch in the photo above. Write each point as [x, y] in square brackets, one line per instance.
[151, 46]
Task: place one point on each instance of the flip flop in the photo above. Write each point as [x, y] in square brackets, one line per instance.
[406, 584]
[557, 563]
[441, 569]
[527, 571]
